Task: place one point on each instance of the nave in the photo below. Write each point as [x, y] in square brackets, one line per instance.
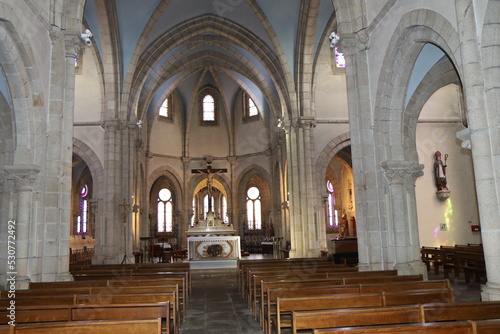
[217, 307]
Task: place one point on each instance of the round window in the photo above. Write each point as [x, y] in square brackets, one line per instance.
[253, 193]
[164, 195]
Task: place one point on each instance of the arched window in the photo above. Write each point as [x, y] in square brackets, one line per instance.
[339, 58]
[332, 219]
[165, 210]
[82, 220]
[165, 110]
[208, 110]
[205, 206]
[250, 111]
[225, 218]
[254, 204]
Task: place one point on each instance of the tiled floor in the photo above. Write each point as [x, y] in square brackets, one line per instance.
[216, 306]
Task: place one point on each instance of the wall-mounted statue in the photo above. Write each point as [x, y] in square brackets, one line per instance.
[440, 175]
[440, 171]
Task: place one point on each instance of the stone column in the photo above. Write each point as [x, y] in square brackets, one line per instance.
[25, 178]
[481, 137]
[401, 229]
[293, 200]
[312, 230]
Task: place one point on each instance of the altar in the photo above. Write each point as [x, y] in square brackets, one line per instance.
[212, 244]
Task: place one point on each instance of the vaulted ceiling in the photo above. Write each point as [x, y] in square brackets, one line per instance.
[182, 45]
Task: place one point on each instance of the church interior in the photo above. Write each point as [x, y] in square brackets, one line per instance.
[212, 132]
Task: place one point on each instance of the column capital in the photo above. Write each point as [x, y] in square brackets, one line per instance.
[73, 44]
[24, 176]
[396, 171]
[464, 136]
[349, 44]
[307, 122]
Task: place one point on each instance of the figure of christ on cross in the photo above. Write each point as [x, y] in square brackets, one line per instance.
[209, 172]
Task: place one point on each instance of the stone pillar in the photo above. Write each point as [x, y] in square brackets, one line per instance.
[313, 230]
[24, 177]
[292, 202]
[112, 229]
[401, 228]
[481, 137]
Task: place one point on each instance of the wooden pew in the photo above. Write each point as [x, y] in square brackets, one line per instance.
[151, 326]
[286, 305]
[123, 281]
[257, 279]
[451, 327]
[474, 311]
[472, 264]
[276, 290]
[305, 269]
[133, 299]
[309, 320]
[462, 327]
[345, 279]
[102, 299]
[38, 314]
[462, 311]
[244, 266]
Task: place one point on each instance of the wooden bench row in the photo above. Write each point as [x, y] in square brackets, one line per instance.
[468, 259]
[151, 326]
[337, 279]
[67, 313]
[123, 282]
[307, 321]
[245, 265]
[450, 327]
[282, 301]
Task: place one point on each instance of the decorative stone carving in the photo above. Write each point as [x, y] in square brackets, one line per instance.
[24, 176]
[464, 136]
[397, 171]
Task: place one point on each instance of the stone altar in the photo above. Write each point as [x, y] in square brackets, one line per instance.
[210, 227]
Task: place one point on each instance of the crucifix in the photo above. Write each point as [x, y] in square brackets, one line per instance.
[209, 172]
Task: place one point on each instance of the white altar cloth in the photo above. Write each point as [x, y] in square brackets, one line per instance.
[214, 248]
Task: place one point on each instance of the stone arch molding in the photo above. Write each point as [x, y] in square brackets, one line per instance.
[170, 174]
[406, 43]
[15, 57]
[327, 154]
[92, 160]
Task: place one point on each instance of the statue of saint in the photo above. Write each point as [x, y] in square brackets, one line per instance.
[440, 171]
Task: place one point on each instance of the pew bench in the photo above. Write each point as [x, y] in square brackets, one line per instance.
[280, 318]
[39, 314]
[451, 327]
[102, 299]
[151, 326]
[275, 290]
[307, 321]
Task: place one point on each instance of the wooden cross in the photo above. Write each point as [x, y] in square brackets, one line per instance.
[209, 172]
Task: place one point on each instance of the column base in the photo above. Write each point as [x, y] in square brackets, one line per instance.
[490, 292]
[412, 268]
[22, 282]
[64, 277]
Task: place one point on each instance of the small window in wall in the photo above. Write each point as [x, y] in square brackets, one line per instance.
[165, 210]
[250, 110]
[82, 220]
[225, 218]
[332, 219]
[208, 108]
[165, 111]
[339, 58]
[253, 199]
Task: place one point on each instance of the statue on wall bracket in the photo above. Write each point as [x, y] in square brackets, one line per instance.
[440, 175]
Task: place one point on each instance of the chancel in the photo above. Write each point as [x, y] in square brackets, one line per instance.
[141, 135]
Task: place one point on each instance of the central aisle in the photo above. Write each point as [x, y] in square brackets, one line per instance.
[216, 305]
